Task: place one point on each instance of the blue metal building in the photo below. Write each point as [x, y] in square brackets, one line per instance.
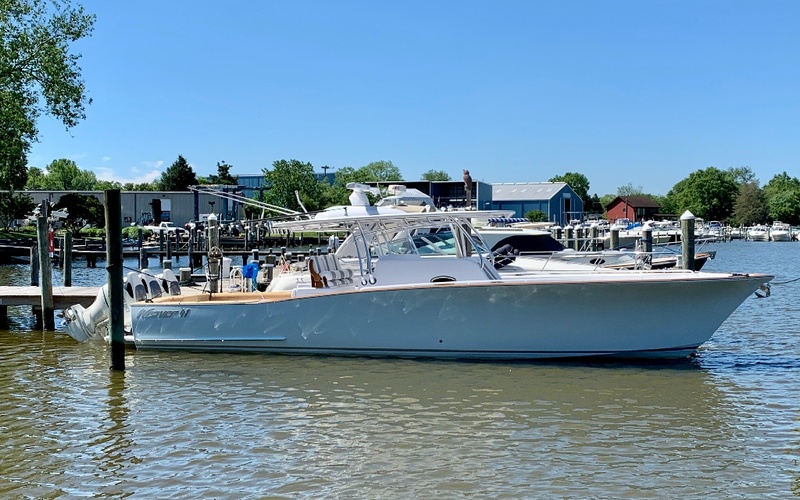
[556, 199]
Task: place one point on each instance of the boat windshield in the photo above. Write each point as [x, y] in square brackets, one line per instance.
[441, 242]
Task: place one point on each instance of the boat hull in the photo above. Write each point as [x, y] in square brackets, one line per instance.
[499, 320]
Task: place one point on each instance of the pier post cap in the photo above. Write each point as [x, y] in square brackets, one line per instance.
[687, 215]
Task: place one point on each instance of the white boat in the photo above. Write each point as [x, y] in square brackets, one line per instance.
[407, 300]
[780, 231]
[529, 241]
[758, 232]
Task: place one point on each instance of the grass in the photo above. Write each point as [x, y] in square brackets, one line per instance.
[17, 234]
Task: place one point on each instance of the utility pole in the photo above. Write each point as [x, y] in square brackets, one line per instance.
[325, 172]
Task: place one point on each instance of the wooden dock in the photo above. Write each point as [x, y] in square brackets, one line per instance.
[63, 297]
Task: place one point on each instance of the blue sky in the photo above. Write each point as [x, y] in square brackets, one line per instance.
[642, 92]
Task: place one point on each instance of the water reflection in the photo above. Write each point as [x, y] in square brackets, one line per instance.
[722, 425]
[114, 447]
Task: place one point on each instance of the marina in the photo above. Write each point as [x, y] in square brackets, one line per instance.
[722, 424]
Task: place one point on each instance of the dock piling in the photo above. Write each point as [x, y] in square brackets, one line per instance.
[45, 273]
[66, 254]
[115, 286]
[34, 265]
[687, 241]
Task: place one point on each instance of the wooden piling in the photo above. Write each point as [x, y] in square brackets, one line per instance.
[45, 274]
[66, 254]
[115, 287]
[614, 238]
[593, 235]
[214, 254]
[647, 239]
[144, 259]
[192, 240]
[35, 265]
[687, 241]
[647, 246]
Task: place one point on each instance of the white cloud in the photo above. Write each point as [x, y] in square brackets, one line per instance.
[153, 165]
[134, 175]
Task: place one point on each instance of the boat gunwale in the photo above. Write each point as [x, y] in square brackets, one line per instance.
[524, 280]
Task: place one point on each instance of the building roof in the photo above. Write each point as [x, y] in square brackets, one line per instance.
[636, 201]
[522, 191]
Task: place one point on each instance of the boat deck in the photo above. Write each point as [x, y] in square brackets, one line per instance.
[224, 297]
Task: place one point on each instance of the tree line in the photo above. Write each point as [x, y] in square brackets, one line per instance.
[733, 195]
[39, 74]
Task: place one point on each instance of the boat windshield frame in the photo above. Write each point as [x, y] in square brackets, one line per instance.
[377, 235]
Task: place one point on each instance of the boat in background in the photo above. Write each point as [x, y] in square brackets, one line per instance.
[533, 240]
[758, 232]
[780, 231]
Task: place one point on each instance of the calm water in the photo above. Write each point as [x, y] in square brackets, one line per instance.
[176, 425]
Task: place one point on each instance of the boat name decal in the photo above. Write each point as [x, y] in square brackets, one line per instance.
[163, 313]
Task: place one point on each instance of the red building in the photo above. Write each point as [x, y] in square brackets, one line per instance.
[636, 208]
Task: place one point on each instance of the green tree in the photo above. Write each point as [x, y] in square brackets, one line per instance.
[379, 171]
[83, 210]
[783, 198]
[14, 206]
[223, 175]
[750, 206]
[64, 175]
[38, 73]
[579, 183]
[596, 205]
[629, 190]
[61, 175]
[145, 186]
[708, 193]
[17, 130]
[102, 185]
[36, 179]
[436, 175]
[743, 175]
[178, 177]
[337, 193]
[606, 199]
[288, 176]
[536, 216]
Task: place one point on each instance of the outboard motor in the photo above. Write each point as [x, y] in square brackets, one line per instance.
[135, 288]
[151, 284]
[82, 323]
[170, 283]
